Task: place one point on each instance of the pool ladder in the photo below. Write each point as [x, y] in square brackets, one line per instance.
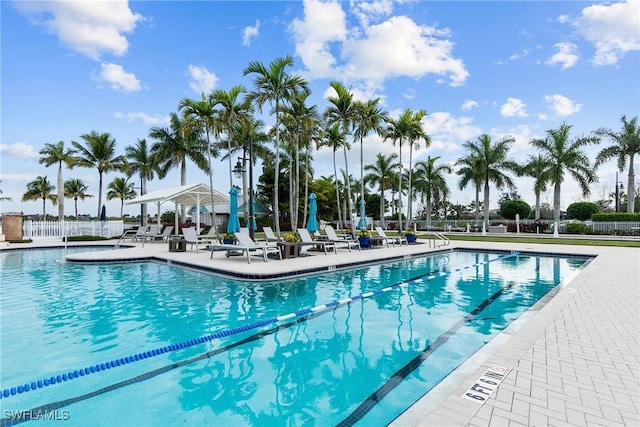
[439, 236]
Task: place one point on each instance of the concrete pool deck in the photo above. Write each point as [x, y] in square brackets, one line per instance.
[574, 360]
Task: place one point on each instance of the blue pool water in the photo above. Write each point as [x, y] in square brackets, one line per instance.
[327, 368]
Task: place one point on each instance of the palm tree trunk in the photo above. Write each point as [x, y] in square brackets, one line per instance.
[477, 204]
[348, 183]
[44, 209]
[306, 187]
[143, 191]
[556, 203]
[292, 213]
[410, 194]
[486, 203]
[537, 210]
[183, 181]
[75, 200]
[361, 172]
[335, 174]
[382, 205]
[276, 178]
[630, 186]
[99, 195]
[400, 191]
[60, 194]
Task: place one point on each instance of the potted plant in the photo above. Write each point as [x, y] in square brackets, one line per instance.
[364, 237]
[228, 238]
[292, 250]
[291, 237]
[411, 236]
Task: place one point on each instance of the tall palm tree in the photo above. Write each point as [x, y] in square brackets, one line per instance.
[334, 138]
[368, 118]
[198, 116]
[415, 134]
[626, 144]
[57, 154]
[76, 189]
[40, 188]
[566, 156]
[431, 182]
[493, 161]
[471, 173]
[382, 173]
[121, 188]
[141, 161]
[232, 110]
[99, 153]
[537, 167]
[342, 110]
[398, 130]
[275, 86]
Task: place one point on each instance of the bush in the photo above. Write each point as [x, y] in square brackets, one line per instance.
[578, 228]
[581, 211]
[620, 216]
[510, 208]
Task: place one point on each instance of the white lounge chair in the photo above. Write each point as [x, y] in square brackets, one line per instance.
[394, 240]
[141, 233]
[269, 235]
[193, 239]
[307, 240]
[331, 235]
[166, 233]
[246, 245]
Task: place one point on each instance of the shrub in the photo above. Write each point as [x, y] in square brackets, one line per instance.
[620, 216]
[578, 228]
[510, 208]
[581, 211]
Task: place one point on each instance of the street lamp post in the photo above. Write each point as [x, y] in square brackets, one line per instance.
[619, 187]
[240, 169]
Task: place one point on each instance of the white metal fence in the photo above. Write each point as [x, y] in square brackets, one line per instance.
[42, 230]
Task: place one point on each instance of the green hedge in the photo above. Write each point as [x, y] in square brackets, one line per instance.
[611, 217]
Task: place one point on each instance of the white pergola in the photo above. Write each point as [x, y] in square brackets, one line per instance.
[186, 195]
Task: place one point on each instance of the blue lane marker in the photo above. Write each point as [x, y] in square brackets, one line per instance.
[67, 376]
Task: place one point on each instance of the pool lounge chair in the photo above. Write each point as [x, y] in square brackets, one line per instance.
[166, 233]
[332, 236]
[307, 240]
[246, 245]
[193, 239]
[394, 240]
[269, 235]
[141, 233]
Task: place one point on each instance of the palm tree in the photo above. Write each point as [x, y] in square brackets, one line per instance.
[232, 111]
[431, 182]
[176, 144]
[415, 134]
[99, 153]
[381, 176]
[142, 162]
[537, 167]
[492, 161]
[52, 154]
[368, 118]
[626, 146]
[471, 172]
[121, 188]
[75, 189]
[198, 116]
[275, 86]
[40, 188]
[334, 139]
[566, 156]
[3, 197]
[342, 110]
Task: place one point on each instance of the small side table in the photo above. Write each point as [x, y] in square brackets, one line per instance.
[288, 249]
[177, 244]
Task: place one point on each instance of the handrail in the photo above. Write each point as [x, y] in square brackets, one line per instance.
[128, 233]
[445, 239]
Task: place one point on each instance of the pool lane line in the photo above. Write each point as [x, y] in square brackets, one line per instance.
[400, 375]
[100, 367]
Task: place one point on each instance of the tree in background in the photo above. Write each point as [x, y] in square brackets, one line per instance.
[75, 189]
[511, 207]
[140, 160]
[626, 144]
[121, 188]
[57, 154]
[381, 175]
[40, 188]
[430, 182]
[99, 153]
[582, 211]
[537, 167]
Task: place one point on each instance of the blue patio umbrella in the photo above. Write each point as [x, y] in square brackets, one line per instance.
[312, 223]
[363, 216]
[103, 214]
[233, 226]
[251, 224]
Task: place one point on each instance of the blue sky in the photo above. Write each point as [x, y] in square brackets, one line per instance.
[497, 67]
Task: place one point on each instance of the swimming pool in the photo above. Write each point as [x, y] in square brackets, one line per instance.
[362, 362]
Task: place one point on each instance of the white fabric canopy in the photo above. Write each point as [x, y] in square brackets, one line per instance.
[186, 195]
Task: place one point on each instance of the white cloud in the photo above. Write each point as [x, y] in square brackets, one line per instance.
[514, 108]
[396, 47]
[613, 29]
[143, 117]
[17, 177]
[118, 78]
[563, 19]
[522, 135]
[202, 80]
[561, 105]
[448, 132]
[566, 55]
[469, 104]
[250, 33]
[88, 27]
[21, 150]
[323, 23]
